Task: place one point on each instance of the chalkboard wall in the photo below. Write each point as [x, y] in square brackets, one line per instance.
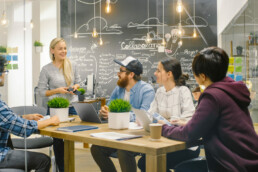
[124, 30]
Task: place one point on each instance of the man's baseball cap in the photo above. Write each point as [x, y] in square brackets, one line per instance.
[131, 64]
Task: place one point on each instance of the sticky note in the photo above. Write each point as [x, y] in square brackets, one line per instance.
[238, 60]
[238, 68]
[15, 58]
[8, 57]
[239, 78]
[230, 68]
[231, 60]
[15, 66]
[8, 66]
[231, 76]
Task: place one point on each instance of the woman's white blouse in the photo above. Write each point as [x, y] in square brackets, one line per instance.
[174, 104]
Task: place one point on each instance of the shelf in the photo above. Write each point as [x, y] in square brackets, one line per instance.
[254, 44]
[238, 56]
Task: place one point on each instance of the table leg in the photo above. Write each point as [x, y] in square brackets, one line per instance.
[69, 156]
[156, 163]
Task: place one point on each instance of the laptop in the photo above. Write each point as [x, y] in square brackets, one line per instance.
[143, 117]
[87, 113]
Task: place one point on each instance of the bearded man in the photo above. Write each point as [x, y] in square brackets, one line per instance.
[140, 95]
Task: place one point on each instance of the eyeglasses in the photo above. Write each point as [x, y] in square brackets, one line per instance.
[121, 71]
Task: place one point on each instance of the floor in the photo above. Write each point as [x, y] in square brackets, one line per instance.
[84, 161]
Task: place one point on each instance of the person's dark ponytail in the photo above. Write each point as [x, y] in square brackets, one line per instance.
[174, 66]
[182, 80]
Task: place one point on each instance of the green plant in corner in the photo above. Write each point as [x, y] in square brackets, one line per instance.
[38, 44]
[119, 105]
[2, 49]
[58, 102]
[82, 90]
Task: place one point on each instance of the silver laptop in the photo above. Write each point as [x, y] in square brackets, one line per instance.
[87, 112]
[143, 117]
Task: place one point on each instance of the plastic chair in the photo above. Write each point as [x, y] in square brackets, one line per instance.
[32, 143]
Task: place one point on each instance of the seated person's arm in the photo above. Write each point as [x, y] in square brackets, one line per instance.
[103, 112]
[42, 124]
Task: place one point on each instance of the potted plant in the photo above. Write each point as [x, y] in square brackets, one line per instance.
[119, 114]
[81, 95]
[59, 106]
[38, 46]
[239, 50]
[2, 49]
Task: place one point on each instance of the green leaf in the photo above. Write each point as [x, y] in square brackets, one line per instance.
[58, 102]
[119, 105]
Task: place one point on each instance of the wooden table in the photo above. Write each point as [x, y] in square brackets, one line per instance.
[155, 151]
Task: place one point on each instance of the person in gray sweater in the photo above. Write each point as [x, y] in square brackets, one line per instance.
[54, 81]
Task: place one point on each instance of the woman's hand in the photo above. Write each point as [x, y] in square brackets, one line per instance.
[178, 122]
[161, 122]
[62, 90]
[75, 87]
[35, 117]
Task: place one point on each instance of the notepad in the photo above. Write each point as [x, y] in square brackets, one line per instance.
[115, 136]
[76, 128]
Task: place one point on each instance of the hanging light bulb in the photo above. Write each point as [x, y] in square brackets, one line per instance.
[163, 42]
[94, 33]
[180, 43]
[194, 30]
[75, 35]
[148, 39]
[194, 33]
[31, 24]
[180, 30]
[108, 7]
[100, 41]
[179, 6]
[3, 19]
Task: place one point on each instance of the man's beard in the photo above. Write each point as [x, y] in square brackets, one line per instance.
[123, 82]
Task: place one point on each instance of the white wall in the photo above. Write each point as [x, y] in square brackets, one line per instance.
[46, 16]
[226, 11]
[21, 82]
[19, 89]
[48, 27]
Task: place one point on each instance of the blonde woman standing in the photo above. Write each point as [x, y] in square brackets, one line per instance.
[54, 81]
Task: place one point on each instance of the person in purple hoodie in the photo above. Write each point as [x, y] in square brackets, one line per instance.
[222, 118]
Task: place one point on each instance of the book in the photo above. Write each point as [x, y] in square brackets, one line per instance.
[77, 128]
[115, 136]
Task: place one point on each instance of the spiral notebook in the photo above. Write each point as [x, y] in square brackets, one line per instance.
[77, 128]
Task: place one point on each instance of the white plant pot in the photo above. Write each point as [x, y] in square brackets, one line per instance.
[62, 113]
[38, 49]
[118, 120]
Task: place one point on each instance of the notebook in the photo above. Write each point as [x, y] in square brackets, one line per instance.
[77, 128]
[115, 136]
[87, 113]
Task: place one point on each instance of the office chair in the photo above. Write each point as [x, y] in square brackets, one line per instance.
[11, 170]
[32, 143]
[198, 164]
